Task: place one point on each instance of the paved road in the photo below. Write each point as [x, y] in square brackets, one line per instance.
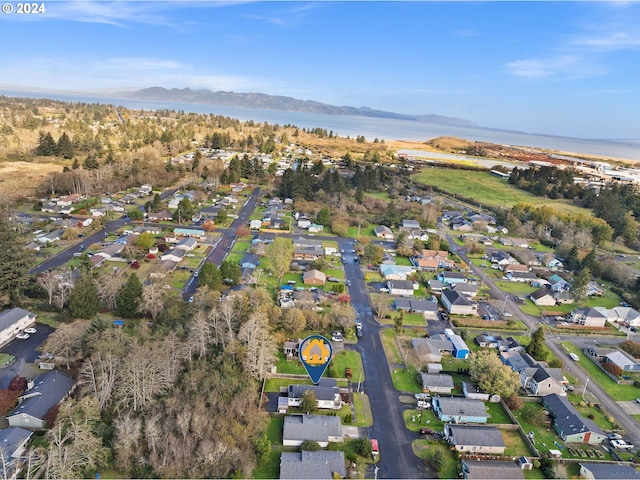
[396, 456]
[628, 423]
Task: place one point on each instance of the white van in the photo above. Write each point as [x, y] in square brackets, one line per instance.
[574, 357]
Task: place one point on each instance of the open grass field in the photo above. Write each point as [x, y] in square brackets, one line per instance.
[425, 448]
[21, 179]
[514, 443]
[487, 189]
[615, 391]
[497, 413]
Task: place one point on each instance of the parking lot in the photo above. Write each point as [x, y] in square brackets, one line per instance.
[25, 352]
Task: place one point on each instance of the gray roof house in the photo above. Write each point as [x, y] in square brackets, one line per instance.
[475, 439]
[430, 350]
[622, 360]
[439, 383]
[569, 424]
[472, 469]
[13, 441]
[460, 410]
[606, 471]
[12, 321]
[318, 428]
[327, 393]
[46, 391]
[312, 465]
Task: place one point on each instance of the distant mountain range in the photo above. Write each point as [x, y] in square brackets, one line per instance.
[276, 102]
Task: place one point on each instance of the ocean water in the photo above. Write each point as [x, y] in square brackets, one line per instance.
[371, 128]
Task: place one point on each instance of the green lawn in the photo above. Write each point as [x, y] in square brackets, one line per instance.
[518, 288]
[405, 379]
[390, 346]
[414, 420]
[615, 391]
[425, 448]
[363, 409]
[274, 384]
[488, 189]
[544, 437]
[497, 413]
[344, 359]
[410, 319]
[367, 231]
[515, 444]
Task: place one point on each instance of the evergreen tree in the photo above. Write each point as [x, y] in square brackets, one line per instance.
[46, 145]
[210, 276]
[391, 215]
[537, 349]
[14, 265]
[359, 194]
[83, 299]
[230, 270]
[324, 216]
[65, 147]
[128, 297]
[579, 286]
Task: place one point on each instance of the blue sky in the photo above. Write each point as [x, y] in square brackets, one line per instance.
[560, 68]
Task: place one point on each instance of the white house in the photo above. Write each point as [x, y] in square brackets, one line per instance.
[400, 287]
[13, 321]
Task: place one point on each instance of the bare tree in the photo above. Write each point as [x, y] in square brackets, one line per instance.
[152, 301]
[128, 433]
[343, 315]
[380, 305]
[200, 332]
[279, 254]
[108, 285]
[261, 348]
[66, 341]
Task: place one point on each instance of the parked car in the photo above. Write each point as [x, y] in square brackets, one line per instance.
[190, 300]
[426, 431]
[384, 290]
[337, 337]
[621, 444]
[30, 330]
[348, 283]
[574, 357]
[333, 279]
[358, 329]
[22, 336]
[614, 436]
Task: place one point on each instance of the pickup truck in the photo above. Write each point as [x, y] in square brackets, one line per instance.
[621, 444]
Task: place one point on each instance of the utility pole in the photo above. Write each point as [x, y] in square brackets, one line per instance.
[504, 305]
[585, 387]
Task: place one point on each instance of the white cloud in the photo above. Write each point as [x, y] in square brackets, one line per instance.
[611, 41]
[561, 67]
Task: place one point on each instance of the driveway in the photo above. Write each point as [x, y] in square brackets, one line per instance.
[25, 352]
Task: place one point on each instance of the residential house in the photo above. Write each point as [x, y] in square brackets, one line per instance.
[475, 439]
[543, 297]
[409, 225]
[608, 471]
[564, 297]
[487, 341]
[388, 259]
[304, 221]
[304, 249]
[516, 360]
[569, 424]
[174, 255]
[161, 270]
[431, 260]
[460, 410]
[382, 231]
[594, 290]
[314, 277]
[515, 267]
[44, 392]
[187, 244]
[452, 278]
[317, 428]
[473, 391]
[466, 289]
[315, 228]
[327, 394]
[13, 442]
[522, 277]
[396, 272]
[552, 263]
[250, 260]
[323, 464]
[431, 350]
[510, 344]
[457, 303]
[558, 284]
[51, 237]
[491, 470]
[14, 321]
[460, 349]
[440, 383]
[588, 317]
[189, 232]
[291, 348]
[502, 258]
[428, 308]
[460, 224]
[624, 315]
[436, 286]
[514, 242]
[541, 380]
[622, 360]
[255, 224]
[400, 287]
[163, 215]
[482, 217]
